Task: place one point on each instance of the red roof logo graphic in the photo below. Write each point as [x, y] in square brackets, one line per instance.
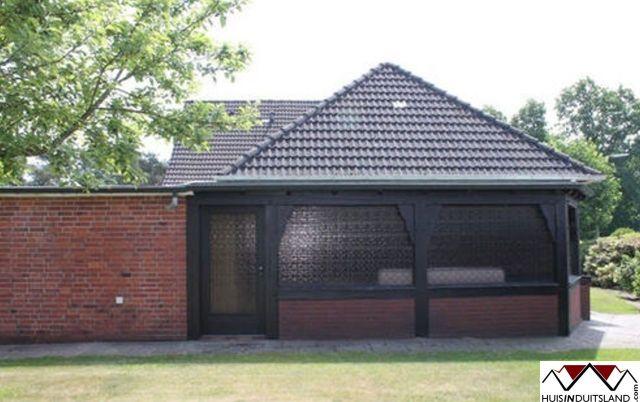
[605, 370]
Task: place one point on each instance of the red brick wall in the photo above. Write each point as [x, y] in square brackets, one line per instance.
[575, 305]
[346, 319]
[493, 316]
[64, 260]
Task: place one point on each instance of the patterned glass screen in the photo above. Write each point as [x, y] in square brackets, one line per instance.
[489, 244]
[334, 246]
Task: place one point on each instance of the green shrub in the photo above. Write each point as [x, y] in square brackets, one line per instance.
[620, 232]
[614, 262]
[624, 276]
[636, 283]
[585, 245]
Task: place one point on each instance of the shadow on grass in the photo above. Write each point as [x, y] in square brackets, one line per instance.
[325, 358]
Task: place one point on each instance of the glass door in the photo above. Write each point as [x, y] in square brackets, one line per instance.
[233, 268]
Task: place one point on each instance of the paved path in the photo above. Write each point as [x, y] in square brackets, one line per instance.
[603, 331]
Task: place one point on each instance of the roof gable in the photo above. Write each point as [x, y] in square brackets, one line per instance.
[390, 123]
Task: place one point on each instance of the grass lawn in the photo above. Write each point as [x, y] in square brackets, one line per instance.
[507, 376]
[609, 301]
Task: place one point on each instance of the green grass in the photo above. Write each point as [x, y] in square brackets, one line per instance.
[609, 301]
[504, 376]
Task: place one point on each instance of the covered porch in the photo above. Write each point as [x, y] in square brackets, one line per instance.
[353, 263]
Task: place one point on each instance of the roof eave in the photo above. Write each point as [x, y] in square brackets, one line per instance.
[220, 183]
[235, 182]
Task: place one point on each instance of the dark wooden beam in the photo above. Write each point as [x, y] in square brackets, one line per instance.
[549, 214]
[284, 213]
[426, 216]
[507, 289]
[578, 236]
[271, 241]
[346, 294]
[193, 269]
[204, 266]
[406, 211]
[419, 271]
[562, 265]
[469, 197]
[510, 289]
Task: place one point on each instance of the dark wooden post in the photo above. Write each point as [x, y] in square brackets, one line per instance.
[577, 245]
[426, 217]
[271, 242]
[420, 273]
[562, 265]
[193, 268]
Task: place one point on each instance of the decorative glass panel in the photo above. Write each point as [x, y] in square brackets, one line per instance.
[333, 246]
[489, 244]
[233, 263]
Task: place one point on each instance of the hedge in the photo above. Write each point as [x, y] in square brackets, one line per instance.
[614, 262]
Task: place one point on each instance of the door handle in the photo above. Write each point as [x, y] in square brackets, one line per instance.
[260, 269]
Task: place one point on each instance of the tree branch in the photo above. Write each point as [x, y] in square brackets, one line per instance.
[129, 110]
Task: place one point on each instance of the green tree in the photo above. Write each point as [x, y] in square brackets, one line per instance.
[628, 166]
[608, 118]
[596, 212]
[531, 118]
[495, 113]
[40, 172]
[153, 168]
[83, 81]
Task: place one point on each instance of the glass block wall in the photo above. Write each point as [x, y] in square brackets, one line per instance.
[332, 246]
[490, 244]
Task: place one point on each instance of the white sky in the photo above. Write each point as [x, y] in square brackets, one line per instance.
[483, 51]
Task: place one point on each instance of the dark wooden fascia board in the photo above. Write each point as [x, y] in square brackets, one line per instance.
[372, 198]
[513, 289]
[345, 294]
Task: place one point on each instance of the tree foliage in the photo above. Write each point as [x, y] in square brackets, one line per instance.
[531, 118]
[495, 113]
[153, 168]
[628, 167]
[84, 81]
[601, 128]
[608, 118]
[596, 212]
[39, 172]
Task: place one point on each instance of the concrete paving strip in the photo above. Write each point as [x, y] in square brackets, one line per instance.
[603, 331]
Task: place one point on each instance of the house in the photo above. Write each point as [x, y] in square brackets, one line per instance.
[390, 209]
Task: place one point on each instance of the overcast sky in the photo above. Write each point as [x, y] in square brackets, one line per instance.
[485, 52]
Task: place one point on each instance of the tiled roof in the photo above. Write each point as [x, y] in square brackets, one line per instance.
[390, 123]
[226, 147]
